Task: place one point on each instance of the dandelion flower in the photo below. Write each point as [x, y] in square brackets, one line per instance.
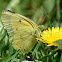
[49, 36]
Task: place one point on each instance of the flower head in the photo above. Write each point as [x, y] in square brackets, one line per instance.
[49, 36]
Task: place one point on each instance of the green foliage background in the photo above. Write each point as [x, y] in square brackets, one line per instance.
[44, 12]
[33, 9]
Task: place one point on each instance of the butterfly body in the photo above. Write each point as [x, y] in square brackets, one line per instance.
[21, 30]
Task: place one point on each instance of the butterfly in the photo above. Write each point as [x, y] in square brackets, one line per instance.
[22, 31]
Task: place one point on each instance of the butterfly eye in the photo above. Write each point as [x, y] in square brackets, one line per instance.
[19, 20]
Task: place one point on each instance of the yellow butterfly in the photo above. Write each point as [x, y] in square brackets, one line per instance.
[21, 30]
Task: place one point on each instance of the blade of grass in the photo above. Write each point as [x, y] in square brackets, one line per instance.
[12, 57]
[47, 17]
[58, 11]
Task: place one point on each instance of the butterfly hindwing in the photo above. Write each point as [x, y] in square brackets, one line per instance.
[26, 39]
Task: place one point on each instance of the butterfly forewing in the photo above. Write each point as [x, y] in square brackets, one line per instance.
[22, 31]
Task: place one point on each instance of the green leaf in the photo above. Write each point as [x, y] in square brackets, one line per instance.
[58, 43]
[49, 5]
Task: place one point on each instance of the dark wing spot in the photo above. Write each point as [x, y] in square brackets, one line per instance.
[19, 20]
[21, 37]
[24, 49]
[11, 11]
[16, 28]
